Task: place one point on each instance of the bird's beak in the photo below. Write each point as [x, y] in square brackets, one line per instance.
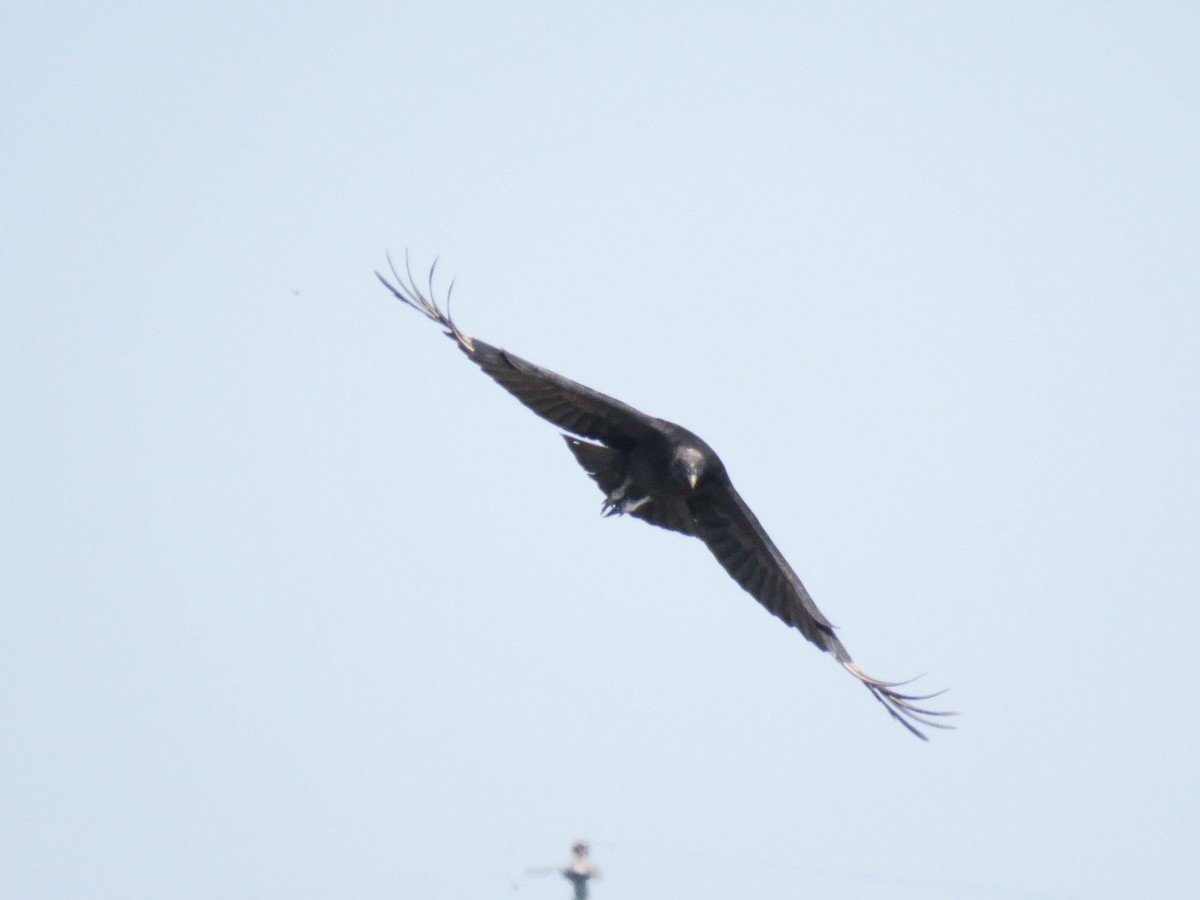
[693, 478]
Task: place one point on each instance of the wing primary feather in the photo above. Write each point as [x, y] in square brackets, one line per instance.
[901, 707]
[406, 291]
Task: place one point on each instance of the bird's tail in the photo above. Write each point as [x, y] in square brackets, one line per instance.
[607, 467]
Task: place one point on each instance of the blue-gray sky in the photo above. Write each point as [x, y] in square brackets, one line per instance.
[296, 603]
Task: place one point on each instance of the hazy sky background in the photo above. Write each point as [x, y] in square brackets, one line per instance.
[295, 603]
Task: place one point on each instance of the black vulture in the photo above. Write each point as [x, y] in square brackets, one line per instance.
[663, 474]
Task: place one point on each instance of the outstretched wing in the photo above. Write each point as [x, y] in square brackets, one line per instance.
[733, 533]
[568, 404]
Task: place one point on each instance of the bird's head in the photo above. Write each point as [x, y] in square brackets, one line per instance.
[687, 466]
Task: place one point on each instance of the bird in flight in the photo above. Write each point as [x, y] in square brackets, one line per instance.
[663, 474]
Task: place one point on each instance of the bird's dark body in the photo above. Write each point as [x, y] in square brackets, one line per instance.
[645, 465]
[665, 475]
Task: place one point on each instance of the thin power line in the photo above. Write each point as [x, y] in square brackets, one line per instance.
[730, 861]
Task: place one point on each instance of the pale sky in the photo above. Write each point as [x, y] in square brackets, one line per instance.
[298, 604]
